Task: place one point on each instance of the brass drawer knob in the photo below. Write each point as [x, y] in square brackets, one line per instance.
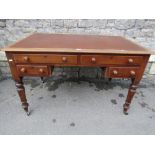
[23, 70]
[115, 72]
[132, 72]
[41, 70]
[93, 60]
[64, 59]
[130, 60]
[26, 58]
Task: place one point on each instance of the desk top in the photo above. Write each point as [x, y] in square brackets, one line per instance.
[39, 42]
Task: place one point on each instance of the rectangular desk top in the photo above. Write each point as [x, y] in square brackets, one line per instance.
[39, 42]
[38, 54]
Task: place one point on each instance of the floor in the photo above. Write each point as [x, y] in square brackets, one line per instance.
[77, 106]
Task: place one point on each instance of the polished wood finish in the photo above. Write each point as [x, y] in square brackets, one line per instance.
[125, 72]
[45, 58]
[110, 59]
[33, 70]
[21, 93]
[38, 53]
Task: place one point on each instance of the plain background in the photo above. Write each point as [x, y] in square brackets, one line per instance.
[80, 9]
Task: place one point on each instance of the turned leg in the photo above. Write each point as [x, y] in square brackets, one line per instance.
[21, 93]
[131, 92]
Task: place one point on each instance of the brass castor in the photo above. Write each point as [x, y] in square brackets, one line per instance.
[42, 79]
[28, 113]
[125, 109]
[27, 110]
[125, 112]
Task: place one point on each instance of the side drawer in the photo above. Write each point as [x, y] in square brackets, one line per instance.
[122, 72]
[110, 59]
[45, 58]
[33, 70]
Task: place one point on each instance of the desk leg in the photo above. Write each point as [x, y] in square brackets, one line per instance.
[109, 79]
[131, 92]
[21, 93]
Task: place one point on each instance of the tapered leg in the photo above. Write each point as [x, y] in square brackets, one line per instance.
[21, 93]
[131, 92]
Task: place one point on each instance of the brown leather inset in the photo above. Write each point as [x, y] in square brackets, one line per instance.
[77, 42]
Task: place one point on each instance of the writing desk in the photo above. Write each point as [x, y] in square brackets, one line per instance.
[38, 54]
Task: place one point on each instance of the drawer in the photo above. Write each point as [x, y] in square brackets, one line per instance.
[45, 58]
[108, 59]
[32, 70]
[122, 72]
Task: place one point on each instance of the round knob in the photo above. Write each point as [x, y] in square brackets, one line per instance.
[130, 60]
[93, 60]
[132, 72]
[23, 70]
[26, 58]
[64, 59]
[41, 70]
[115, 72]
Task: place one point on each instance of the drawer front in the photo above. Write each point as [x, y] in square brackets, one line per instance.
[113, 60]
[32, 70]
[122, 72]
[45, 58]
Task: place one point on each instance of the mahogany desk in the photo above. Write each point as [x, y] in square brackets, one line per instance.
[38, 53]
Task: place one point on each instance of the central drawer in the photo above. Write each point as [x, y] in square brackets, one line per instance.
[45, 58]
[112, 60]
